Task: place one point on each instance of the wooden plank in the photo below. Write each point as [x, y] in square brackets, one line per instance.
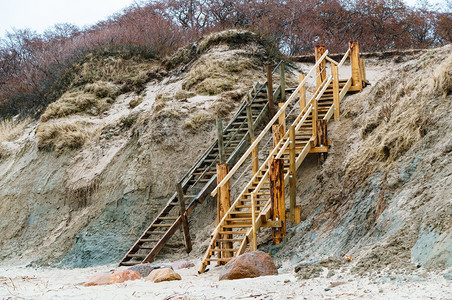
[323, 149]
[181, 198]
[223, 205]
[255, 158]
[357, 82]
[220, 140]
[282, 118]
[297, 214]
[292, 173]
[335, 73]
[278, 209]
[282, 80]
[362, 66]
[249, 118]
[345, 89]
[301, 78]
[271, 105]
[314, 116]
[321, 71]
[278, 134]
[253, 242]
[344, 58]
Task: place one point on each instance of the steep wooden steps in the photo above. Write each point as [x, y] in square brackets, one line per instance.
[198, 182]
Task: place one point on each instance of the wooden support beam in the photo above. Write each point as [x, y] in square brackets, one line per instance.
[297, 214]
[362, 67]
[278, 209]
[323, 149]
[321, 71]
[335, 73]
[292, 173]
[302, 92]
[322, 137]
[220, 141]
[249, 117]
[223, 197]
[278, 134]
[357, 81]
[271, 104]
[282, 80]
[183, 215]
[255, 157]
[282, 118]
[253, 242]
[223, 205]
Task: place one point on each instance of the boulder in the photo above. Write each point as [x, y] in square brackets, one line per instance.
[163, 274]
[143, 269]
[111, 278]
[182, 264]
[249, 265]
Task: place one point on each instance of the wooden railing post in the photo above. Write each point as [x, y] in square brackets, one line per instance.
[278, 134]
[362, 68]
[223, 204]
[271, 105]
[322, 137]
[335, 73]
[302, 92]
[321, 71]
[357, 82]
[249, 117]
[220, 140]
[282, 80]
[292, 173]
[253, 244]
[255, 157]
[314, 117]
[278, 209]
[282, 118]
[181, 198]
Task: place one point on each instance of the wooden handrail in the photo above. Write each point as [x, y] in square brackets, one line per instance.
[344, 58]
[331, 60]
[268, 127]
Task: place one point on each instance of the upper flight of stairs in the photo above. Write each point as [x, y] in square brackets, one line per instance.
[237, 229]
[200, 180]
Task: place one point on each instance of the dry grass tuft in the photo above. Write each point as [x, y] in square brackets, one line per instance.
[182, 94]
[10, 130]
[63, 135]
[443, 78]
[198, 119]
[76, 102]
[213, 74]
[102, 89]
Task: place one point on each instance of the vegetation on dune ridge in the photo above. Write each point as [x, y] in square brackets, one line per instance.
[35, 69]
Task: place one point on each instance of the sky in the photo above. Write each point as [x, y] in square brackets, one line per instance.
[39, 15]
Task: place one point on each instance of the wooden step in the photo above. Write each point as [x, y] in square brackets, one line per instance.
[156, 232]
[237, 226]
[149, 240]
[167, 218]
[224, 250]
[233, 232]
[137, 255]
[228, 240]
[162, 225]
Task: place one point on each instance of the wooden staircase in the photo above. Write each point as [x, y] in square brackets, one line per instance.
[196, 185]
[252, 208]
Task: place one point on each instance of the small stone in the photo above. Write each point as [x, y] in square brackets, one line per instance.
[111, 278]
[163, 274]
[143, 269]
[182, 264]
[287, 281]
[327, 289]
